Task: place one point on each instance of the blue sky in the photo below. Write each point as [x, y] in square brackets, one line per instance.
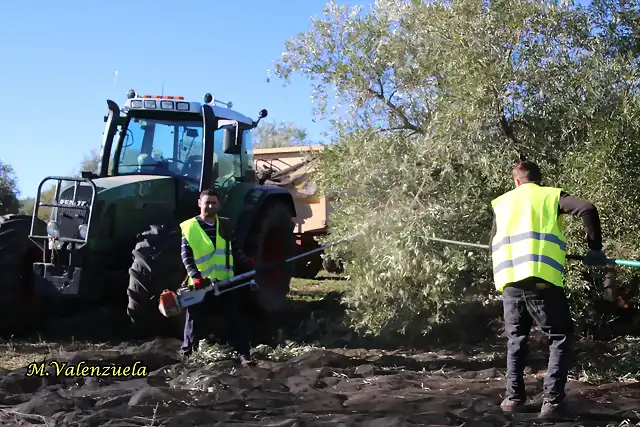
[59, 60]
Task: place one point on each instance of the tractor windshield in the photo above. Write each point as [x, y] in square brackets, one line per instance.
[162, 147]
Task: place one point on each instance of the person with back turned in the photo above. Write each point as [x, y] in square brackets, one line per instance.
[528, 251]
[209, 254]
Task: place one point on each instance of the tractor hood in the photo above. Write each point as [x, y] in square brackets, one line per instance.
[118, 186]
[117, 181]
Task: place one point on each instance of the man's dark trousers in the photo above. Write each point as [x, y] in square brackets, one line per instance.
[523, 304]
[199, 319]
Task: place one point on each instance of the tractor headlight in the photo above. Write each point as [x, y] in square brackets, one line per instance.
[83, 231]
[52, 229]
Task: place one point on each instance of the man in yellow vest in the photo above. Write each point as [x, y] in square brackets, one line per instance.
[208, 254]
[528, 251]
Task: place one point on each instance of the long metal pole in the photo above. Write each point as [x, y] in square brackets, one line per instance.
[186, 296]
[614, 261]
[252, 273]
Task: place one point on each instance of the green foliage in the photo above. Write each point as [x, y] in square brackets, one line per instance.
[26, 205]
[9, 202]
[272, 135]
[440, 97]
[44, 212]
[91, 162]
[619, 362]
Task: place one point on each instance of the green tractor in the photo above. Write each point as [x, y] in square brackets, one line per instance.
[121, 225]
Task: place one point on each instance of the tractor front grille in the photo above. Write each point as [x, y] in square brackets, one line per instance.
[70, 219]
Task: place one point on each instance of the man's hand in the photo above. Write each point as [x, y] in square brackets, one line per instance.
[249, 262]
[201, 283]
[595, 257]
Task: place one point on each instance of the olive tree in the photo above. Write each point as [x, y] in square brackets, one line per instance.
[9, 202]
[91, 162]
[274, 134]
[432, 102]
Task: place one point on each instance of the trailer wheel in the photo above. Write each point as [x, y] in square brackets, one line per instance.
[333, 266]
[157, 266]
[273, 242]
[17, 255]
[309, 266]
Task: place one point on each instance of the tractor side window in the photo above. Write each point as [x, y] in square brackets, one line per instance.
[189, 158]
[227, 165]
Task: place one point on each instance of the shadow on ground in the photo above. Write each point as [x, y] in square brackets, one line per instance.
[320, 387]
[358, 381]
[325, 322]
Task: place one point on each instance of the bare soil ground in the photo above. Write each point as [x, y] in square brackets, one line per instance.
[348, 382]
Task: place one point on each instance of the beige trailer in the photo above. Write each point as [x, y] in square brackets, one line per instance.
[288, 167]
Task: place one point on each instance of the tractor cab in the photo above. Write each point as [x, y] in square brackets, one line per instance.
[201, 143]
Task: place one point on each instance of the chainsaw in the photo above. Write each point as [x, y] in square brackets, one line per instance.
[173, 303]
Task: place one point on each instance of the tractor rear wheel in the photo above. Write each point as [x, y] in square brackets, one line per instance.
[273, 241]
[17, 255]
[157, 266]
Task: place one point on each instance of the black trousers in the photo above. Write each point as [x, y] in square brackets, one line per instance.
[523, 304]
[198, 322]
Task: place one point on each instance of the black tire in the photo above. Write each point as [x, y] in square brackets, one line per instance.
[17, 255]
[309, 266]
[157, 266]
[333, 266]
[272, 241]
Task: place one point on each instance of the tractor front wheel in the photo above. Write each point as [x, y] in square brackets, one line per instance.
[157, 266]
[17, 255]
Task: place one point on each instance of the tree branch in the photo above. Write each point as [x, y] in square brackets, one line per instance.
[406, 123]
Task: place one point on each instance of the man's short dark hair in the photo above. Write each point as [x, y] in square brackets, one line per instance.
[527, 171]
[209, 192]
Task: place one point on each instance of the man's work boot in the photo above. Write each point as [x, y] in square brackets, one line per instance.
[552, 409]
[508, 405]
[246, 360]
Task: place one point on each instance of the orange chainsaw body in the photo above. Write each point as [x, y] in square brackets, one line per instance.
[168, 304]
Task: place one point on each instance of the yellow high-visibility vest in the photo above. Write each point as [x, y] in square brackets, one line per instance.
[213, 262]
[529, 240]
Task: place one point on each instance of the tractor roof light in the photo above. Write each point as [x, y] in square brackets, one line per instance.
[162, 97]
[164, 102]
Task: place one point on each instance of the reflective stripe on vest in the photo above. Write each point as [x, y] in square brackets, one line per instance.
[529, 241]
[213, 262]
